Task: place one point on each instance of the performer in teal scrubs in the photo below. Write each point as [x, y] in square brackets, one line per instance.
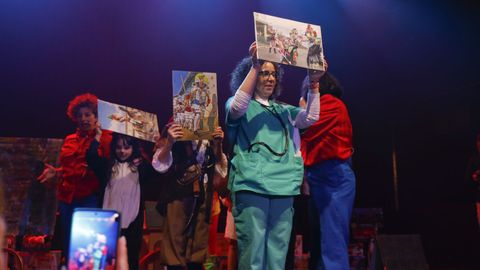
[266, 168]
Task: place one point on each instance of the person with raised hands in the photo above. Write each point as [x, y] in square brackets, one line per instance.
[266, 168]
[327, 149]
[193, 169]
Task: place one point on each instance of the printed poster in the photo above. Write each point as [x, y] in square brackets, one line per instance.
[127, 120]
[288, 42]
[195, 103]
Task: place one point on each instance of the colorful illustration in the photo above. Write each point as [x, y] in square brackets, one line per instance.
[288, 42]
[31, 206]
[128, 121]
[195, 105]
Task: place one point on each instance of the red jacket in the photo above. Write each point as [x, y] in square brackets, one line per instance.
[331, 136]
[78, 181]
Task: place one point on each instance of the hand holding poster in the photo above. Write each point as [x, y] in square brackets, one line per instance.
[128, 121]
[288, 42]
[195, 105]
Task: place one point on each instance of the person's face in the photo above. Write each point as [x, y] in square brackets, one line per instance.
[201, 84]
[314, 83]
[122, 150]
[86, 119]
[267, 80]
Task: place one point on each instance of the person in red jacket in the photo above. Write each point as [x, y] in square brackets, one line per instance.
[327, 149]
[77, 186]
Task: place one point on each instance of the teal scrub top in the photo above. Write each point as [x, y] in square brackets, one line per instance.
[258, 169]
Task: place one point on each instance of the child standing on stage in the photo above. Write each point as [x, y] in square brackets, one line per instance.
[123, 178]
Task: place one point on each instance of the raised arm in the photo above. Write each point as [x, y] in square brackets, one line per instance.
[221, 163]
[311, 107]
[311, 113]
[244, 93]
[163, 159]
[94, 161]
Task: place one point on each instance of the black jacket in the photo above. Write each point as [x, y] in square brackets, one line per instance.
[103, 169]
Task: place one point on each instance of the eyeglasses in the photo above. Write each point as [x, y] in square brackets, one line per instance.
[265, 74]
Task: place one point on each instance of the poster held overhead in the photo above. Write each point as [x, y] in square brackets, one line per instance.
[288, 42]
[127, 120]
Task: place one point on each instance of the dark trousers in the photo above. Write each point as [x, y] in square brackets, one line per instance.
[133, 235]
[66, 212]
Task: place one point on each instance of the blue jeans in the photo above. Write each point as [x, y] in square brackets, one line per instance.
[66, 212]
[332, 186]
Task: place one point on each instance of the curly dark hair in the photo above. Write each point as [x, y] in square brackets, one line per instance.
[328, 85]
[84, 100]
[242, 69]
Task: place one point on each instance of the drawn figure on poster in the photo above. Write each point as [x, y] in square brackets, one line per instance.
[193, 103]
[213, 113]
[196, 122]
[314, 49]
[117, 117]
[294, 38]
[185, 112]
[281, 43]
[182, 110]
[310, 34]
[135, 120]
[200, 100]
[291, 47]
[272, 39]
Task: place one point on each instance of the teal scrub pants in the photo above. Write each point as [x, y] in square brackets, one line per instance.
[263, 224]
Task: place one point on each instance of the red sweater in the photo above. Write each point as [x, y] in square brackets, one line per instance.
[78, 181]
[331, 136]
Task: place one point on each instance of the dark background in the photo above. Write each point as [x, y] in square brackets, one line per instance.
[409, 69]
